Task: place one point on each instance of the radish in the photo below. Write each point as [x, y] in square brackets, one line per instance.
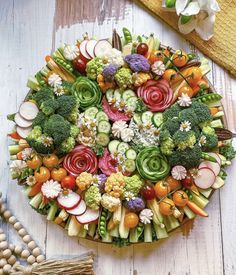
[28, 110]
[206, 178]
[79, 209]
[68, 200]
[20, 121]
[214, 166]
[90, 47]
[23, 132]
[89, 216]
[83, 51]
[102, 48]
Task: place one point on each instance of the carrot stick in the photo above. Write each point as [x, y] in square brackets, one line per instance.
[14, 135]
[214, 110]
[196, 209]
[35, 189]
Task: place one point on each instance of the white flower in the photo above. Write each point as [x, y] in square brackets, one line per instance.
[17, 166]
[30, 180]
[58, 90]
[202, 140]
[70, 52]
[54, 80]
[118, 127]
[185, 126]
[128, 195]
[179, 172]
[184, 100]
[26, 153]
[146, 216]
[47, 141]
[51, 189]
[127, 135]
[158, 68]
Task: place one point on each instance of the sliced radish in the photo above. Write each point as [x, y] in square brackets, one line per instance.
[20, 121]
[214, 166]
[82, 49]
[102, 48]
[90, 47]
[68, 200]
[23, 132]
[28, 110]
[205, 179]
[216, 156]
[79, 209]
[89, 216]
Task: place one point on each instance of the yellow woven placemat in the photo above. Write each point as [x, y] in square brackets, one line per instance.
[222, 47]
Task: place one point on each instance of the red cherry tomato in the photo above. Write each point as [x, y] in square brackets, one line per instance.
[188, 181]
[148, 192]
[79, 65]
[68, 182]
[142, 48]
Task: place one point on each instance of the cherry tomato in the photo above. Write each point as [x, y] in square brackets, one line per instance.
[167, 207]
[202, 84]
[58, 174]
[169, 75]
[148, 192]
[180, 58]
[68, 182]
[35, 162]
[173, 183]
[188, 181]
[131, 220]
[194, 75]
[180, 198]
[186, 90]
[79, 64]
[161, 188]
[142, 48]
[42, 175]
[156, 56]
[50, 161]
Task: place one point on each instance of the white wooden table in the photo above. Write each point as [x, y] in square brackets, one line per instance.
[29, 30]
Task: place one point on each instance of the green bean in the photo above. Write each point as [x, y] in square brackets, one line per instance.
[127, 35]
[208, 157]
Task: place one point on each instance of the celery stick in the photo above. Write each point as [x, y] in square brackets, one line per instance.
[92, 229]
[115, 231]
[135, 233]
[67, 223]
[123, 231]
[107, 238]
[52, 212]
[14, 149]
[154, 206]
[148, 233]
[14, 157]
[36, 200]
[82, 232]
[200, 200]
[74, 227]
[33, 84]
[27, 190]
[171, 223]
[205, 192]
[216, 123]
[160, 231]
[189, 213]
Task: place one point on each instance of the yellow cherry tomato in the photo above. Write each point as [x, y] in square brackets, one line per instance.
[42, 175]
[35, 162]
[58, 174]
[186, 90]
[180, 198]
[173, 183]
[131, 220]
[50, 161]
[167, 207]
[180, 58]
[162, 189]
[194, 75]
[169, 75]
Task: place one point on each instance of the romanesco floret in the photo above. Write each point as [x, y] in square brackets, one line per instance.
[133, 184]
[93, 197]
[115, 184]
[74, 131]
[167, 146]
[84, 180]
[110, 203]
[183, 139]
[94, 68]
[123, 78]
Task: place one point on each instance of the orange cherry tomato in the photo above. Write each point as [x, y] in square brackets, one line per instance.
[169, 75]
[35, 162]
[180, 58]
[180, 198]
[173, 183]
[186, 90]
[161, 188]
[194, 75]
[131, 220]
[156, 56]
[58, 174]
[50, 161]
[167, 207]
[42, 175]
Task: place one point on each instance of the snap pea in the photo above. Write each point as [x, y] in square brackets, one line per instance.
[66, 65]
[208, 157]
[102, 225]
[209, 98]
[127, 35]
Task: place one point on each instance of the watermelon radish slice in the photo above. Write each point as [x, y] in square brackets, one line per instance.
[90, 47]
[82, 49]
[23, 132]
[79, 209]
[20, 121]
[102, 48]
[214, 166]
[28, 110]
[68, 200]
[89, 216]
[205, 179]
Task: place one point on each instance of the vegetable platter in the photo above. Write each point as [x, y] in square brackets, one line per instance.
[120, 140]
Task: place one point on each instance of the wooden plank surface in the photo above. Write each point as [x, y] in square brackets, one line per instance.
[30, 29]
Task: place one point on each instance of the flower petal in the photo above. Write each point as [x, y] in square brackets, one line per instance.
[180, 5]
[191, 9]
[188, 27]
[205, 28]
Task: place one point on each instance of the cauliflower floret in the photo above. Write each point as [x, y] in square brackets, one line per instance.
[94, 68]
[114, 57]
[140, 78]
[123, 78]
[93, 197]
[110, 203]
[133, 184]
[114, 185]
[135, 205]
[84, 180]
[137, 62]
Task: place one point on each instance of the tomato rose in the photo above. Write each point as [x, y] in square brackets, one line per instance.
[156, 94]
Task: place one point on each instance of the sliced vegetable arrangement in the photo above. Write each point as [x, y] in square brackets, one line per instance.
[120, 140]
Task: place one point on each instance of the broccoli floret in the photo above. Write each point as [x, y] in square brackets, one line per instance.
[171, 112]
[58, 128]
[188, 115]
[123, 78]
[66, 146]
[68, 107]
[172, 125]
[228, 151]
[49, 107]
[211, 139]
[197, 131]
[183, 139]
[44, 94]
[94, 68]
[67, 87]
[74, 131]
[202, 112]
[39, 120]
[190, 157]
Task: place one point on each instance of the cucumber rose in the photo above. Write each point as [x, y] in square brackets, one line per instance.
[87, 92]
[156, 94]
[151, 164]
[81, 159]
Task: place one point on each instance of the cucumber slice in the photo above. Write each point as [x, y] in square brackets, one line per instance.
[157, 119]
[91, 112]
[131, 103]
[147, 117]
[130, 165]
[113, 145]
[109, 94]
[104, 127]
[102, 139]
[127, 94]
[131, 154]
[101, 116]
[137, 118]
[123, 147]
[117, 94]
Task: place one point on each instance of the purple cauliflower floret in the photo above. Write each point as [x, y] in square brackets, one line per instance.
[137, 62]
[135, 205]
[101, 182]
[109, 72]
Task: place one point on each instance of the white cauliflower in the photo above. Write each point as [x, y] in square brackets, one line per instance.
[110, 203]
[114, 57]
